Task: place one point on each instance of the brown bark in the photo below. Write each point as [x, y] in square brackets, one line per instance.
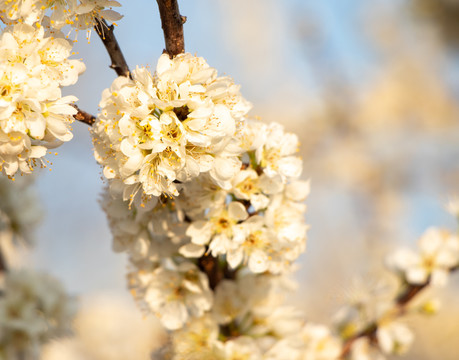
[107, 35]
[172, 24]
[84, 117]
[3, 265]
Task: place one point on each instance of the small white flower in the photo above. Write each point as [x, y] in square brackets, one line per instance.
[363, 350]
[196, 341]
[319, 343]
[219, 230]
[276, 156]
[394, 337]
[439, 253]
[33, 309]
[178, 292]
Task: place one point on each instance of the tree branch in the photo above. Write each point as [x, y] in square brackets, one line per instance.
[172, 24]
[3, 265]
[401, 301]
[84, 117]
[108, 38]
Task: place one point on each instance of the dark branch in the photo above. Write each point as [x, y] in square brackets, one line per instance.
[210, 266]
[84, 117]
[215, 270]
[3, 265]
[401, 301]
[409, 293]
[107, 36]
[172, 24]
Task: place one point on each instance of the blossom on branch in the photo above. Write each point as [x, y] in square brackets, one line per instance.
[80, 14]
[33, 310]
[438, 254]
[157, 130]
[34, 116]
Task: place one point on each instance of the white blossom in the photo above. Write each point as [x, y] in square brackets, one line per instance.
[394, 337]
[19, 210]
[33, 114]
[276, 155]
[196, 341]
[176, 293]
[33, 309]
[363, 350]
[219, 230]
[438, 254]
[155, 131]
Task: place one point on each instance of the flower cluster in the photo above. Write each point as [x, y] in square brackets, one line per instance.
[34, 116]
[248, 321]
[156, 131]
[439, 253]
[372, 311]
[33, 309]
[19, 210]
[207, 204]
[80, 14]
[370, 322]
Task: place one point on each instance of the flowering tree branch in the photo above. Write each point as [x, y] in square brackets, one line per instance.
[172, 24]
[84, 117]
[401, 301]
[108, 38]
[119, 64]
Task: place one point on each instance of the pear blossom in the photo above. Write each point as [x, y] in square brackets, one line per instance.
[363, 350]
[19, 210]
[242, 347]
[159, 130]
[276, 156]
[319, 343]
[196, 341]
[153, 231]
[219, 230]
[28, 10]
[176, 292]
[438, 254]
[248, 185]
[34, 308]
[81, 14]
[33, 114]
[394, 337]
[88, 11]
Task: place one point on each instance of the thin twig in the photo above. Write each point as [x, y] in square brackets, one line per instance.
[401, 302]
[84, 117]
[172, 24]
[3, 265]
[107, 36]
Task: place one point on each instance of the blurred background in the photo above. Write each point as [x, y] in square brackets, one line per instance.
[372, 90]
